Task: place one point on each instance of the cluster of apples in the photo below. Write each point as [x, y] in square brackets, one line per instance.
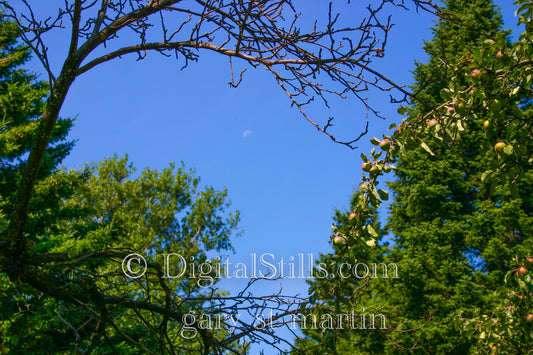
[372, 168]
[339, 239]
[369, 167]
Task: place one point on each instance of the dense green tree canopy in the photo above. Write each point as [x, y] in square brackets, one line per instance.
[100, 209]
[156, 213]
[460, 222]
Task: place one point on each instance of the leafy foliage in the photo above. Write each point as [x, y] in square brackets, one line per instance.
[99, 209]
[157, 213]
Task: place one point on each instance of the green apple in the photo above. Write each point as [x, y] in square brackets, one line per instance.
[374, 169]
[399, 129]
[498, 147]
[366, 166]
[486, 124]
[387, 168]
[385, 145]
[496, 105]
[460, 108]
[339, 240]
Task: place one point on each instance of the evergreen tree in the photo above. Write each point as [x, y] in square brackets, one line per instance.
[460, 231]
[341, 287]
[21, 104]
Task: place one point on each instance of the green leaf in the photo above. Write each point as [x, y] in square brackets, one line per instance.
[383, 194]
[508, 149]
[371, 231]
[4, 223]
[371, 242]
[426, 147]
[485, 175]
[375, 193]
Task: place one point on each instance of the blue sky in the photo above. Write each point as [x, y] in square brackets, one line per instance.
[284, 176]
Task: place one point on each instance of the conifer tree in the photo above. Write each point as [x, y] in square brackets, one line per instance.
[21, 104]
[461, 234]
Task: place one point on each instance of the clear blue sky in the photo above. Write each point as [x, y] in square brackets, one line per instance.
[284, 176]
